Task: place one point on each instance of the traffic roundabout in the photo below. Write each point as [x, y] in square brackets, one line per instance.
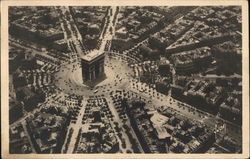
[118, 75]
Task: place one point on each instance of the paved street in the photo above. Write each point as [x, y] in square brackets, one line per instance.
[182, 108]
[119, 121]
[76, 127]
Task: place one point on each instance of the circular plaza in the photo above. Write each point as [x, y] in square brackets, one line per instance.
[118, 75]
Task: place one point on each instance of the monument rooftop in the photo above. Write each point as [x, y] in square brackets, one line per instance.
[93, 54]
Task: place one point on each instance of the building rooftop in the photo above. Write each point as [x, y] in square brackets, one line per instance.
[158, 119]
[92, 55]
[122, 30]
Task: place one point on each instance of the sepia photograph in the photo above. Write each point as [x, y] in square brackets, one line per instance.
[124, 79]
